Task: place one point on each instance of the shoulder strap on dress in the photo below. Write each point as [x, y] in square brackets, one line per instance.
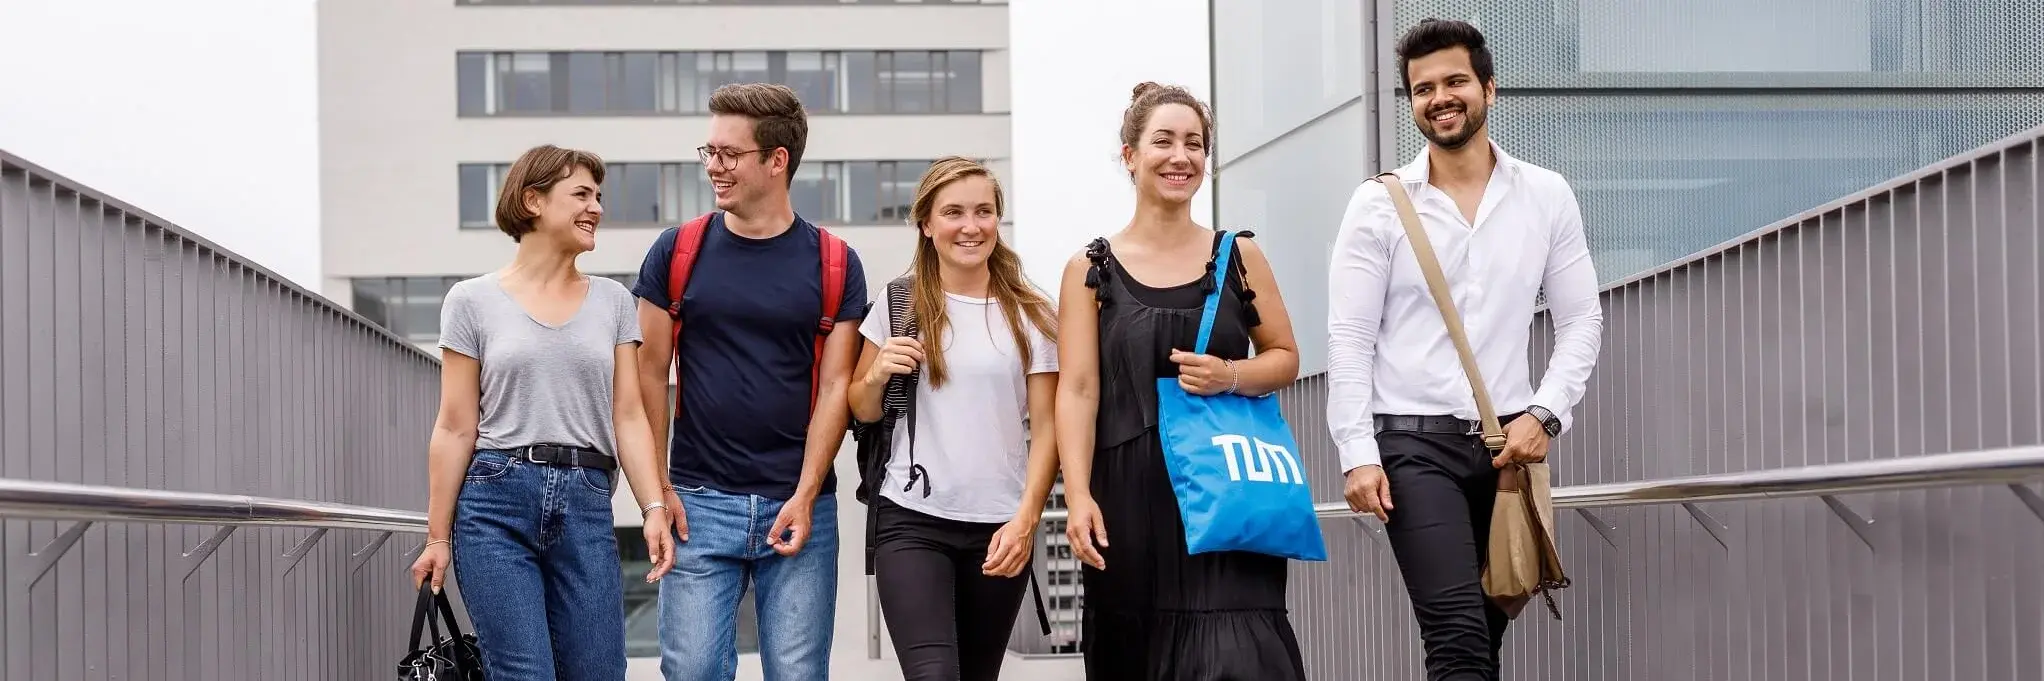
[1098, 252]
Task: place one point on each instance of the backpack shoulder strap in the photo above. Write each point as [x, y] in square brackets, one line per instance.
[834, 266]
[688, 243]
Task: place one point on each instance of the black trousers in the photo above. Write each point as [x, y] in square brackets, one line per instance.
[1442, 491]
[948, 621]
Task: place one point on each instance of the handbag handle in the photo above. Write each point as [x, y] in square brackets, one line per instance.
[1213, 304]
[1437, 284]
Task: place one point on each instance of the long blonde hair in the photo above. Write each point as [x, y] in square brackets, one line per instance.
[1009, 287]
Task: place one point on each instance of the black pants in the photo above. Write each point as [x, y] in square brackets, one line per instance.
[948, 621]
[1442, 491]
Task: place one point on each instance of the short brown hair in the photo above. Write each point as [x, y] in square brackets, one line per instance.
[539, 169]
[1145, 100]
[778, 120]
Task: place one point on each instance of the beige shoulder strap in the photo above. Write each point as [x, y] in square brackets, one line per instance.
[1423, 249]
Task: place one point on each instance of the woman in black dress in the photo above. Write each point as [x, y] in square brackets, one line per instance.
[1129, 313]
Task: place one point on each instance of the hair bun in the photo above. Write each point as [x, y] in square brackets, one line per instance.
[1144, 88]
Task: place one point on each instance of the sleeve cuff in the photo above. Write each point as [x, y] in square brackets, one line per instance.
[1554, 403]
[1358, 453]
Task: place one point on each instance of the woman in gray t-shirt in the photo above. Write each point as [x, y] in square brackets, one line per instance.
[539, 410]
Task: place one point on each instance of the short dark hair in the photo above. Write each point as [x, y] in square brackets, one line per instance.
[539, 169]
[1433, 35]
[778, 120]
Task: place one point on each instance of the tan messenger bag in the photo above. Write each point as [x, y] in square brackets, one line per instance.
[1522, 558]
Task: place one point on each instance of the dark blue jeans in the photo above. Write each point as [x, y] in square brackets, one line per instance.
[537, 564]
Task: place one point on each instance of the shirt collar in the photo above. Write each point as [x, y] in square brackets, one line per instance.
[1420, 169]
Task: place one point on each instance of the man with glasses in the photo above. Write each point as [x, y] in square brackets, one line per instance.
[760, 407]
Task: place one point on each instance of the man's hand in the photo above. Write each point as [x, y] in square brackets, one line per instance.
[675, 512]
[793, 523]
[1368, 491]
[1202, 374]
[1525, 442]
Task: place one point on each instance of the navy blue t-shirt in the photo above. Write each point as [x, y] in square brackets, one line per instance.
[748, 334]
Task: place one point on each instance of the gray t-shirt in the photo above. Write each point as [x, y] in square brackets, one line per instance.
[541, 384]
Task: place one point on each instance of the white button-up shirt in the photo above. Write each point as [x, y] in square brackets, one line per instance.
[1388, 349]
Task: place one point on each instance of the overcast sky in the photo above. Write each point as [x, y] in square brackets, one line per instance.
[202, 112]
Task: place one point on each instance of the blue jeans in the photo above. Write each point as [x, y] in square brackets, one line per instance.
[537, 564]
[796, 596]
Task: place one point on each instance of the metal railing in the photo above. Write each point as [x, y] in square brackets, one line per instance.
[2011, 466]
[89, 504]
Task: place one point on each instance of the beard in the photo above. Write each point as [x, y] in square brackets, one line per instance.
[1473, 118]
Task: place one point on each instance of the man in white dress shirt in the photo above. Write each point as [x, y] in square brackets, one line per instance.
[1399, 406]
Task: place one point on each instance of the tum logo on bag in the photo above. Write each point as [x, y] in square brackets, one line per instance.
[1265, 462]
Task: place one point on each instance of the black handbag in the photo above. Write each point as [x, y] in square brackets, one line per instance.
[452, 658]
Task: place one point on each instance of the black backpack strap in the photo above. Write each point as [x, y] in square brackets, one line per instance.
[895, 400]
[902, 317]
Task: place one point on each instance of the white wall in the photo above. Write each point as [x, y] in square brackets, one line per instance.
[1072, 70]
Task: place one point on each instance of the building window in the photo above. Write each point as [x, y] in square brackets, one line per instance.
[660, 194]
[410, 306]
[680, 83]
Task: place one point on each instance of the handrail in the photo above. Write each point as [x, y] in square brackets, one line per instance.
[66, 501]
[2010, 465]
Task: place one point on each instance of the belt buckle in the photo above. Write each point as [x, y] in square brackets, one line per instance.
[1475, 427]
[533, 454]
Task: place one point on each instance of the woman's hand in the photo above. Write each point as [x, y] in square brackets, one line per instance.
[432, 564]
[1009, 549]
[659, 543]
[1204, 374]
[899, 355]
[1083, 528]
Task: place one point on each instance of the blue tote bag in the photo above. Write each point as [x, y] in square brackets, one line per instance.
[1233, 462]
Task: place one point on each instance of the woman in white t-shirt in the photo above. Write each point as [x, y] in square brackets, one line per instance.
[956, 515]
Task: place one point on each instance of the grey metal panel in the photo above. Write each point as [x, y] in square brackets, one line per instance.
[133, 353]
[1896, 322]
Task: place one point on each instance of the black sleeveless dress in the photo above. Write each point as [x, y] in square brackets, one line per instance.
[1156, 613]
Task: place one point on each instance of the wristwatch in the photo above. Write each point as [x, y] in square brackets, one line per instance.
[1548, 421]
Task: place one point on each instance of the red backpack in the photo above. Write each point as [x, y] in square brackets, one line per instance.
[689, 242]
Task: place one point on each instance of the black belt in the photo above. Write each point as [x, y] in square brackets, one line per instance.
[1441, 425]
[564, 455]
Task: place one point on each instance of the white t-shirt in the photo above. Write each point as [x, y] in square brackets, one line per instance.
[971, 435]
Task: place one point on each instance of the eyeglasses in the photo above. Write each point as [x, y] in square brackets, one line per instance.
[726, 158]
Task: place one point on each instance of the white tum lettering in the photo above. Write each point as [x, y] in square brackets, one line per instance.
[1259, 461]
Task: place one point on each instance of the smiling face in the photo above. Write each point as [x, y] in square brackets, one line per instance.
[742, 175]
[1169, 157]
[1449, 103]
[568, 212]
[964, 223]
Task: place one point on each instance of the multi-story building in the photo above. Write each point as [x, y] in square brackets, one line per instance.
[424, 104]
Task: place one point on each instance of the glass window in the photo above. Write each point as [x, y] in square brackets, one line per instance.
[370, 300]
[527, 82]
[815, 192]
[478, 196]
[898, 189]
[585, 82]
[813, 77]
[862, 182]
[963, 89]
[635, 87]
[598, 83]
[641, 202]
[696, 196]
[472, 82]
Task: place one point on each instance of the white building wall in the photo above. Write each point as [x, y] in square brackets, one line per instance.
[1072, 71]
